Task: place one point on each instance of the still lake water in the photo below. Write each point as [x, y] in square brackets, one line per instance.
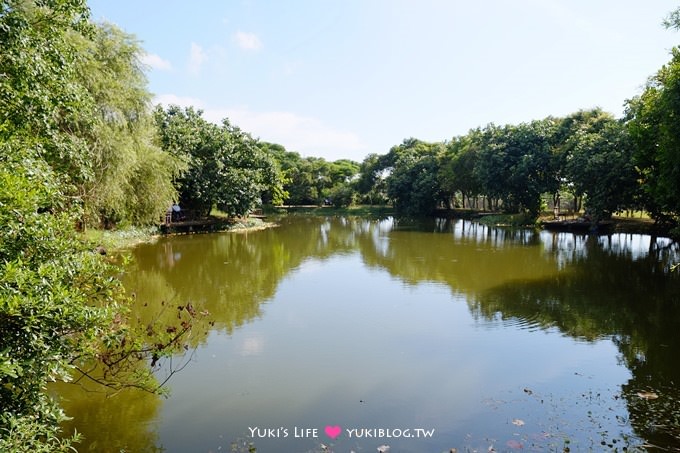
[349, 334]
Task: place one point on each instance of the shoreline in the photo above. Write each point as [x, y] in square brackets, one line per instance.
[213, 224]
[118, 240]
[124, 239]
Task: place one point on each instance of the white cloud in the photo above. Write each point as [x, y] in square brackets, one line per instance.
[247, 41]
[155, 62]
[252, 345]
[306, 135]
[181, 101]
[197, 57]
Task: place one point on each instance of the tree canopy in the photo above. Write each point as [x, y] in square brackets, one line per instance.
[655, 131]
[225, 166]
[588, 154]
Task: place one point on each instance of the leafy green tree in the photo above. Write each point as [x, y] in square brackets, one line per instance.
[343, 174]
[43, 105]
[538, 168]
[77, 94]
[493, 165]
[132, 178]
[57, 299]
[457, 168]
[275, 194]
[516, 165]
[63, 312]
[567, 136]
[413, 184]
[342, 195]
[301, 186]
[655, 130]
[311, 180]
[226, 167]
[601, 166]
[343, 171]
[370, 184]
[321, 179]
[673, 19]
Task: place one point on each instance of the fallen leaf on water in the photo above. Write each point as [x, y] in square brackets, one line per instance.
[518, 422]
[514, 444]
[647, 395]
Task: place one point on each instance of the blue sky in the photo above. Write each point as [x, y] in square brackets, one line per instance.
[342, 79]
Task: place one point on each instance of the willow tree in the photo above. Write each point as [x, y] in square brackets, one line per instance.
[60, 303]
[132, 177]
[76, 94]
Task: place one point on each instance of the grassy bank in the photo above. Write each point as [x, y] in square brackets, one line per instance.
[128, 237]
[119, 239]
[359, 211]
[639, 223]
[507, 220]
[645, 225]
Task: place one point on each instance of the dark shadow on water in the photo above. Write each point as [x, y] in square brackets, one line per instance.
[634, 302]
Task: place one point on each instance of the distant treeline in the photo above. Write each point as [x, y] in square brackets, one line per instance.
[598, 162]
[594, 160]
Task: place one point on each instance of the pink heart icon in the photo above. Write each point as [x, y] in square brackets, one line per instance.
[333, 431]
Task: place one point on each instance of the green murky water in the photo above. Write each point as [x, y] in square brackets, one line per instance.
[347, 334]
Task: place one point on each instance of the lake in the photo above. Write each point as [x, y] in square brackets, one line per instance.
[349, 334]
